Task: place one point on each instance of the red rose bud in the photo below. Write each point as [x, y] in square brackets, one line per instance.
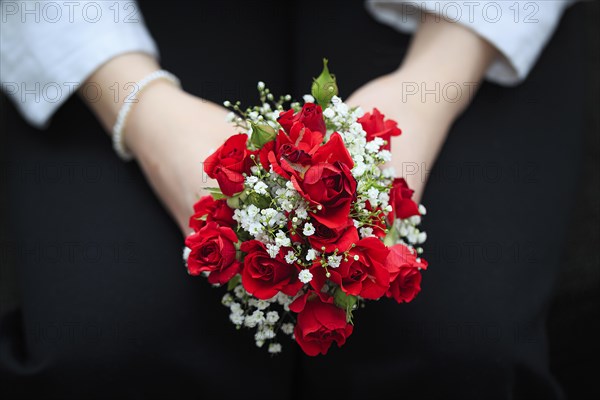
[320, 323]
[405, 276]
[263, 276]
[291, 153]
[364, 273]
[324, 87]
[208, 209]
[262, 134]
[401, 201]
[228, 163]
[375, 126]
[311, 116]
[213, 250]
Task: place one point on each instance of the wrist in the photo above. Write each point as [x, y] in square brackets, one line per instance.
[439, 100]
[145, 128]
[114, 81]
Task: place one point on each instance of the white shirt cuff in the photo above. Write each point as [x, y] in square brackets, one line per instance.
[44, 59]
[518, 30]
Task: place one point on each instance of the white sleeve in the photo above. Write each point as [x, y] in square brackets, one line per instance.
[518, 29]
[48, 49]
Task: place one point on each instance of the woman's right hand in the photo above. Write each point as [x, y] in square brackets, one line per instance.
[169, 132]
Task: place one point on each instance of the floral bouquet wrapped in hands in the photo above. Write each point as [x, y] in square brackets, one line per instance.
[307, 222]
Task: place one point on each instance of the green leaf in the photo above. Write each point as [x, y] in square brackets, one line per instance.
[258, 200]
[392, 237]
[345, 302]
[215, 193]
[234, 202]
[233, 282]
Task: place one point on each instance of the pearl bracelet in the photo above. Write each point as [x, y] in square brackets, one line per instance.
[117, 132]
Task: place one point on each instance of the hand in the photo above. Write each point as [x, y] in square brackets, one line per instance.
[442, 54]
[169, 132]
[424, 128]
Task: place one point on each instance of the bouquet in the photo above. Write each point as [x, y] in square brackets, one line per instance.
[307, 223]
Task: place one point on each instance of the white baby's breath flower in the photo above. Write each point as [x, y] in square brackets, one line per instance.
[359, 170]
[262, 304]
[373, 195]
[268, 332]
[252, 211]
[301, 212]
[308, 98]
[272, 317]
[290, 257]
[309, 229]
[305, 276]
[239, 292]
[415, 220]
[235, 307]
[287, 206]
[366, 232]
[237, 319]
[261, 187]
[255, 229]
[186, 253]
[311, 254]
[287, 328]
[282, 240]
[274, 348]
[272, 249]
[356, 128]
[385, 155]
[334, 261]
[328, 113]
[372, 147]
[227, 299]
[251, 180]
[254, 319]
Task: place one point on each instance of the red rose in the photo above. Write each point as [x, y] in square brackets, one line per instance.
[228, 163]
[330, 189]
[375, 126]
[328, 184]
[401, 201]
[208, 209]
[311, 116]
[263, 276]
[332, 151]
[364, 273]
[213, 251]
[320, 323]
[290, 154]
[327, 239]
[405, 277]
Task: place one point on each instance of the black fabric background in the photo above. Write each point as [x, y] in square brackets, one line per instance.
[107, 310]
